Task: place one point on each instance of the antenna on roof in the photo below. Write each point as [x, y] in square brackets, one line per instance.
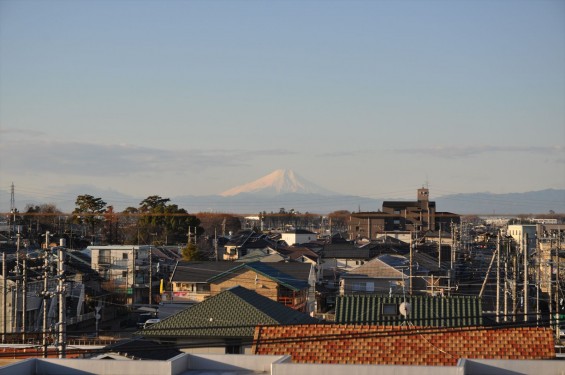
[405, 309]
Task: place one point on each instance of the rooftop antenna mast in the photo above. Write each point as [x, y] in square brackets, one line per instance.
[12, 200]
[13, 208]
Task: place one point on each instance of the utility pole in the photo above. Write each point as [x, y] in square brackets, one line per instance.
[515, 286]
[538, 279]
[150, 276]
[525, 250]
[498, 277]
[411, 251]
[506, 256]
[452, 248]
[45, 292]
[24, 299]
[62, 305]
[557, 286]
[439, 249]
[550, 280]
[216, 242]
[4, 295]
[16, 300]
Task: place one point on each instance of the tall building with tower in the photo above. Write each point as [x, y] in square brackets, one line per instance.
[402, 216]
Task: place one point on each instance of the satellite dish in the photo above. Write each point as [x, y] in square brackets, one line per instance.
[404, 309]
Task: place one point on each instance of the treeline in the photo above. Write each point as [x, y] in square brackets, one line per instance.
[155, 221]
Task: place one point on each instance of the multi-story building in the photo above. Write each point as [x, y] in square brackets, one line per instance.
[523, 234]
[125, 269]
[401, 216]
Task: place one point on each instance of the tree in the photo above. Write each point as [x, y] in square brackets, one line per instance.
[162, 223]
[339, 220]
[42, 218]
[111, 226]
[191, 253]
[89, 211]
[151, 221]
[218, 223]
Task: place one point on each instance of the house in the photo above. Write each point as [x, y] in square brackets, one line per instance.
[402, 345]
[281, 254]
[224, 323]
[189, 281]
[345, 256]
[390, 273]
[298, 236]
[277, 281]
[245, 241]
[289, 283]
[401, 216]
[422, 311]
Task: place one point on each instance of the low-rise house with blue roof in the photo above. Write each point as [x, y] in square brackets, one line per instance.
[292, 284]
[189, 281]
[268, 280]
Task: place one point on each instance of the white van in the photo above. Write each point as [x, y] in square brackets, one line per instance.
[150, 322]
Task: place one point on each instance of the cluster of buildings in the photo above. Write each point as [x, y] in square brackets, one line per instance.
[406, 288]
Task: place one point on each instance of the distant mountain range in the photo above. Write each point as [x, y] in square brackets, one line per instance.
[285, 189]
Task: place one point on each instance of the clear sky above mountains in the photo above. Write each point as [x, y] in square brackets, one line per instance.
[370, 98]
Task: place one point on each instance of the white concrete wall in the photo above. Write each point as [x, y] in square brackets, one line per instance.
[503, 367]
[311, 369]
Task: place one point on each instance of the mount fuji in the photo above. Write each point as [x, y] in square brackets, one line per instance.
[281, 181]
[282, 188]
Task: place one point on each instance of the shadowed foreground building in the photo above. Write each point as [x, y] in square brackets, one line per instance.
[404, 345]
[330, 349]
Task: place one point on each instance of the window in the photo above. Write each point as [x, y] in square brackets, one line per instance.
[390, 309]
[124, 273]
[359, 286]
[233, 347]
[124, 255]
[203, 288]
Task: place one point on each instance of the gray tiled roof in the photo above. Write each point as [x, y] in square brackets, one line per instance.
[199, 272]
[233, 313]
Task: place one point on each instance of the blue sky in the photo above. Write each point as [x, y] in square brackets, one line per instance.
[371, 98]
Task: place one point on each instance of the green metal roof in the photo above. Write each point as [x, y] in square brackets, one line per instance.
[232, 313]
[454, 311]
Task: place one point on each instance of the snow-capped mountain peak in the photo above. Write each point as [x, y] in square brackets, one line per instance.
[277, 182]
